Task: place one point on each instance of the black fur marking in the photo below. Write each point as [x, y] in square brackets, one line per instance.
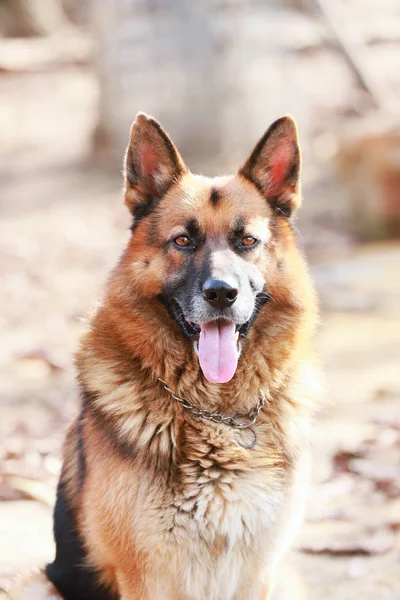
[191, 280]
[81, 448]
[179, 372]
[215, 197]
[281, 207]
[198, 276]
[107, 426]
[69, 571]
[294, 171]
[253, 181]
[176, 313]
[239, 226]
[194, 231]
[237, 231]
[169, 146]
[143, 210]
[159, 464]
[261, 299]
[195, 235]
[131, 173]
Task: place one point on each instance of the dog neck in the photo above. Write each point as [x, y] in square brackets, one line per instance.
[130, 345]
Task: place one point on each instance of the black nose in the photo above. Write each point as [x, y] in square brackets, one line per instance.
[219, 293]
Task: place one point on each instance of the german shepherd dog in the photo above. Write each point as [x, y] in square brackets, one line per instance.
[184, 474]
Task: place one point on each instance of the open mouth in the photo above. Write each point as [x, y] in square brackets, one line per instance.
[216, 342]
[194, 329]
[218, 350]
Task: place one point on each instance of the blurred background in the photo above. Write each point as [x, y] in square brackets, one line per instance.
[216, 73]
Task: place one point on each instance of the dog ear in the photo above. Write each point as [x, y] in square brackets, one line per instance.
[152, 164]
[274, 166]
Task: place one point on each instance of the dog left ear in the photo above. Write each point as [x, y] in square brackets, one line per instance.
[152, 164]
[274, 166]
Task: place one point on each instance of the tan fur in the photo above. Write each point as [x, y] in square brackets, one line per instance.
[184, 512]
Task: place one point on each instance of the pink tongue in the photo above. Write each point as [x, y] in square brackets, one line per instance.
[218, 353]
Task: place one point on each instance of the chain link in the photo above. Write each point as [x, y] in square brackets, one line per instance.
[233, 421]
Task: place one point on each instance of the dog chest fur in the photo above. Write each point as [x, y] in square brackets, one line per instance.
[207, 534]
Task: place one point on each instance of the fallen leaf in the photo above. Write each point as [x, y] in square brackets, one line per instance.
[341, 460]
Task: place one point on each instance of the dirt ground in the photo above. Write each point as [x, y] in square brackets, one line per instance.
[61, 229]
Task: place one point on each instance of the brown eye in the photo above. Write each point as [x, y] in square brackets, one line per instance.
[248, 240]
[182, 241]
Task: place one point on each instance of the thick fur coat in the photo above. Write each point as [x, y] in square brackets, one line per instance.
[155, 502]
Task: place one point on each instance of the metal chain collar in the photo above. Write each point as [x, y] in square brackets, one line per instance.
[235, 421]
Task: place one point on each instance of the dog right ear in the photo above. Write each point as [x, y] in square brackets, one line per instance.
[152, 165]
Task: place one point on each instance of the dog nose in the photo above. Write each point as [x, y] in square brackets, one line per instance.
[219, 293]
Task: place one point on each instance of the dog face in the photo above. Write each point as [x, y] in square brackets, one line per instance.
[205, 247]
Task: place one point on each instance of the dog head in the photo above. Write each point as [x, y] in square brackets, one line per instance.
[206, 248]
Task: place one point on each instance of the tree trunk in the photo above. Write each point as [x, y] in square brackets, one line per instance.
[207, 70]
[160, 58]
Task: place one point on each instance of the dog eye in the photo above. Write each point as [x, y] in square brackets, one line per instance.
[182, 241]
[248, 241]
